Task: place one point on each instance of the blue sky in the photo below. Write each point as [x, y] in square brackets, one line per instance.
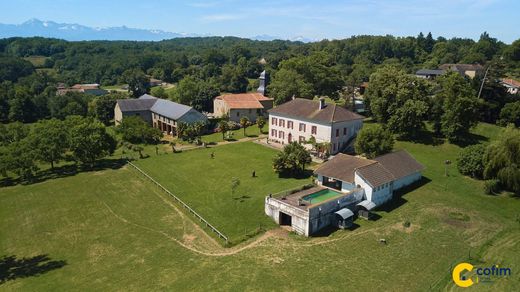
[284, 18]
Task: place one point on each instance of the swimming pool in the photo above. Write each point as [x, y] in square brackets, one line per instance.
[321, 196]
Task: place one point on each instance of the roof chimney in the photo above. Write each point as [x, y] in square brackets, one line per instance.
[322, 103]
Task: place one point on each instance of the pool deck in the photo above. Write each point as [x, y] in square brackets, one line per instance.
[293, 199]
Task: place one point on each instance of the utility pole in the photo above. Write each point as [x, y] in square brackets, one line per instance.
[483, 80]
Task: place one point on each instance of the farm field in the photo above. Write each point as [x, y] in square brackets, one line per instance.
[113, 230]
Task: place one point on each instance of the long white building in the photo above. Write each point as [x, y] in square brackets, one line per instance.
[299, 119]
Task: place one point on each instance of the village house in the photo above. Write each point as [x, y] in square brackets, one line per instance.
[300, 119]
[512, 85]
[345, 186]
[250, 105]
[159, 113]
[429, 73]
[92, 89]
[236, 106]
[469, 70]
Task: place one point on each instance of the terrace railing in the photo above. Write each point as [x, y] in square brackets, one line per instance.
[190, 210]
[288, 192]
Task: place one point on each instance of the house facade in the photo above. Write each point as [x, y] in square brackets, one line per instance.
[345, 186]
[468, 70]
[159, 113]
[300, 119]
[236, 106]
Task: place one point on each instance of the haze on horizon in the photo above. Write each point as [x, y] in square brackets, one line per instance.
[283, 18]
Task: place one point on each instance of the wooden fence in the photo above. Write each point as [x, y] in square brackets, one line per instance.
[201, 219]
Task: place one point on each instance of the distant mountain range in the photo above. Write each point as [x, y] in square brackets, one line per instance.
[77, 32]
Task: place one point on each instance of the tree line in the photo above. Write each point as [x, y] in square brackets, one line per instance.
[204, 67]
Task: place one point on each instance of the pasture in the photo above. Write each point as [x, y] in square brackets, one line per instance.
[114, 230]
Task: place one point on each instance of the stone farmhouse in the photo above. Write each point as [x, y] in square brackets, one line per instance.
[236, 106]
[159, 113]
[299, 119]
[250, 105]
[468, 70]
[345, 186]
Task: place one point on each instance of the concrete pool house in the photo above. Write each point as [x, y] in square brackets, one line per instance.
[345, 186]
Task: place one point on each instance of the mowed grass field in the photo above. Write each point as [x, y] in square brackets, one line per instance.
[204, 183]
[113, 230]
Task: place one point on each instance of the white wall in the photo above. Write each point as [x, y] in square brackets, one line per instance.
[377, 195]
[407, 180]
[324, 132]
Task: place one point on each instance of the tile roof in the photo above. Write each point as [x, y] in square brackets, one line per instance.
[244, 100]
[399, 163]
[132, 104]
[375, 174]
[461, 67]
[511, 82]
[382, 169]
[310, 110]
[342, 167]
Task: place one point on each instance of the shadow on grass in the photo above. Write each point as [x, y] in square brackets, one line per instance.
[242, 198]
[398, 199]
[12, 268]
[424, 137]
[252, 136]
[64, 171]
[470, 139]
[299, 175]
[327, 231]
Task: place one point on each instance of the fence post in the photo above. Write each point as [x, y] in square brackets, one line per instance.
[220, 234]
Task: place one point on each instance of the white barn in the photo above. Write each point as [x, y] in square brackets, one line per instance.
[299, 119]
[379, 177]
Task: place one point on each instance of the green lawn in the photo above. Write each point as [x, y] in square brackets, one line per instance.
[112, 230]
[252, 132]
[205, 184]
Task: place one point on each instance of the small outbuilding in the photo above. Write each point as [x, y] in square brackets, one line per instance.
[345, 218]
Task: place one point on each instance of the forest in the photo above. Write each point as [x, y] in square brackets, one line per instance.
[204, 67]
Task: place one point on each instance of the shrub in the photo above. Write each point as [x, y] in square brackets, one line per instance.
[491, 186]
[510, 113]
[406, 224]
[471, 161]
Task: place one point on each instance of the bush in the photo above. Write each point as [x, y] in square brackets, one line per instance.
[491, 186]
[510, 114]
[135, 130]
[471, 161]
[407, 224]
[374, 141]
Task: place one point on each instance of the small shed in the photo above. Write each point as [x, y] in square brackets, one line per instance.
[364, 208]
[344, 217]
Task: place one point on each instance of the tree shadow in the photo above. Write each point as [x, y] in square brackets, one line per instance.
[424, 137]
[64, 171]
[398, 200]
[298, 175]
[252, 136]
[12, 268]
[470, 139]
